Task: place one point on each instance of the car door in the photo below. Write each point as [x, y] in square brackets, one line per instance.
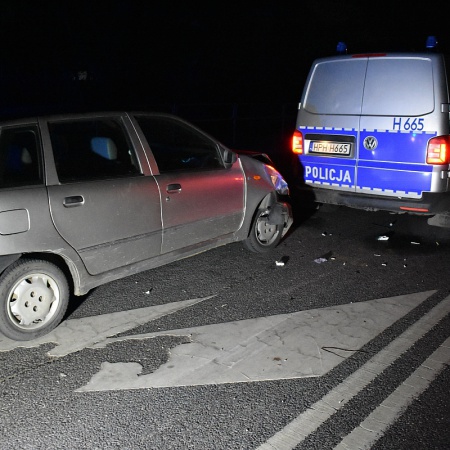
[201, 199]
[104, 206]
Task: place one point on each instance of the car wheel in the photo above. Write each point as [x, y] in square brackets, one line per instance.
[263, 235]
[34, 295]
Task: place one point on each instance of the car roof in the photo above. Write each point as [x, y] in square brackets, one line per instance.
[67, 116]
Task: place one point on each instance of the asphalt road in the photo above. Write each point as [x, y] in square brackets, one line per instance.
[345, 345]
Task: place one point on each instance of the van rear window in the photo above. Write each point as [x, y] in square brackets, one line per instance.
[398, 87]
[336, 87]
[384, 86]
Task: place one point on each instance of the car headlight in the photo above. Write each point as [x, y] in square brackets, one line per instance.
[279, 183]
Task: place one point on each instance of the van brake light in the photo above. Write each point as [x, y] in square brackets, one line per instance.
[438, 150]
[297, 143]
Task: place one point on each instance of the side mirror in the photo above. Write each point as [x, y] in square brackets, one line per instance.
[229, 157]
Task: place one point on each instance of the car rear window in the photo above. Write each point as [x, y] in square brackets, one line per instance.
[90, 149]
[20, 157]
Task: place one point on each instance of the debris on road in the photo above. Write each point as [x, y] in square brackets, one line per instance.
[282, 261]
[320, 260]
[324, 258]
[383, 238]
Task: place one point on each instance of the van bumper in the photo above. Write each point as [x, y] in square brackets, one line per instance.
[429, 205]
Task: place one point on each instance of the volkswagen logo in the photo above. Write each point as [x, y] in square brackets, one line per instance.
[370, 143]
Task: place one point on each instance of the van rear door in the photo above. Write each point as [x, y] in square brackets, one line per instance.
[397, 121]
[329, 121]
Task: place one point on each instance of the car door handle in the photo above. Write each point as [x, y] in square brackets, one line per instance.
[75, 200]
[173, 188]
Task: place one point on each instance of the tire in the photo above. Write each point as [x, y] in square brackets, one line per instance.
[263, 237]
[34, 295]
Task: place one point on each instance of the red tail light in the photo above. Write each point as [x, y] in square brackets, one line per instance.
[297, 143]
[438, 150]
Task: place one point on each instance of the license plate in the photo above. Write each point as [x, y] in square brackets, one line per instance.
[329, 147]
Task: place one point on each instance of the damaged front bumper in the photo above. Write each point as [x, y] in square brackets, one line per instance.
[281, 214]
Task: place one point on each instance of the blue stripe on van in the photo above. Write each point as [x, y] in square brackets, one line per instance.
[395, 166]
[402, 181]
[329, 173]
[328, 129]
[395, 146]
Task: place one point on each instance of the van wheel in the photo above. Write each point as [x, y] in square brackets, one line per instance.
[34, 295]
[263, 236]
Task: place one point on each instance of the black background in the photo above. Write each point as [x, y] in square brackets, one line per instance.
[80, 55]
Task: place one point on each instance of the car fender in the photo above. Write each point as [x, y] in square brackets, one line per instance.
[7, 260]
[260, 192]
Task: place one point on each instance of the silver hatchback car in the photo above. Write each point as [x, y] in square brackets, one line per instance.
[87, 199]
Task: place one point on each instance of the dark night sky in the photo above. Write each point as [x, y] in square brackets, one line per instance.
[138, 54]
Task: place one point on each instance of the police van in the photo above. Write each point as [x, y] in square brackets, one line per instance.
[372, 132]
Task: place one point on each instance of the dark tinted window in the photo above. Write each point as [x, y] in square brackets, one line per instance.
[177, 146]
[336, 87]
[90, 149]
[399, 87]
[20, 163]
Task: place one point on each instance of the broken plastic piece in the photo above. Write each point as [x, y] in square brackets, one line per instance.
[320, 260]
[282, 261]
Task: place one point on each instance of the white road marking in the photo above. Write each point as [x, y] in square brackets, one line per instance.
[373, 427]
[74, 335]
[296, 345]
[307, 422]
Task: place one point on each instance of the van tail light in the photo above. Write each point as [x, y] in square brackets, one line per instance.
[297, 143]
[438, 150]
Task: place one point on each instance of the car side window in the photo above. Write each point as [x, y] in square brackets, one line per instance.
[91, 149]
[20, 157]
[178, 147]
